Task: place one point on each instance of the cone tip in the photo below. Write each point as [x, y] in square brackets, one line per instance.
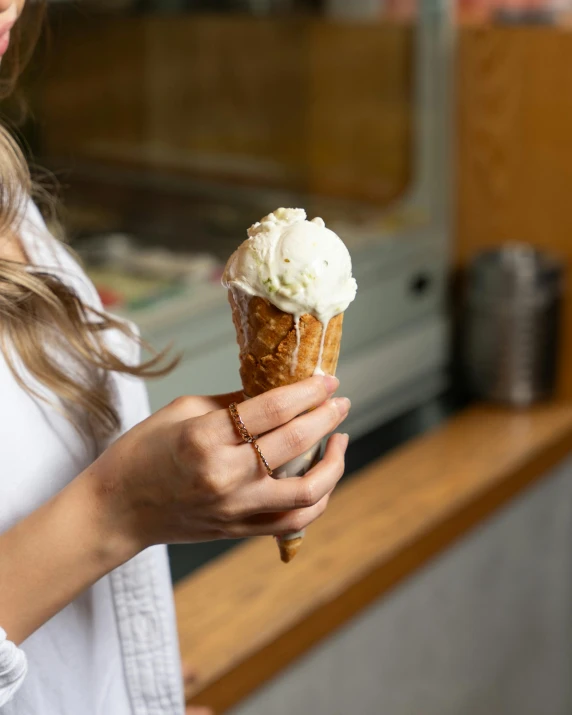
[289, 548]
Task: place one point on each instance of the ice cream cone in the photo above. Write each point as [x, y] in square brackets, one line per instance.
[289, 285]
[271, 356]
[289, 548]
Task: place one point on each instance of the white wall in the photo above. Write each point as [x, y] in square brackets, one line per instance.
[484, 630]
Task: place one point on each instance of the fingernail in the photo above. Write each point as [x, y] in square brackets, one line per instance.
[343, 404]
[332, 383]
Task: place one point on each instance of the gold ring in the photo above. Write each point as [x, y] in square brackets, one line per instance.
[246, 436]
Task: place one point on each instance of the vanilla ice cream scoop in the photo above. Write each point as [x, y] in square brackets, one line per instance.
[299, 266]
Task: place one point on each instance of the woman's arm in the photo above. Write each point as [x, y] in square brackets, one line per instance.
[54, 554]
[179, 476]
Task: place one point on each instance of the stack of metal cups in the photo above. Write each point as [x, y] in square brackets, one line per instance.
[511, 325]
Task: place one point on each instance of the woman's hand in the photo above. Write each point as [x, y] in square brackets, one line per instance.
[181, 475]
[185, 475]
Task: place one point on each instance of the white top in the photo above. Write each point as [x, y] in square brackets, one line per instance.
[114, 650]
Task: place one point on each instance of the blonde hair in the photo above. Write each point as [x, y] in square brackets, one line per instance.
[40, 316]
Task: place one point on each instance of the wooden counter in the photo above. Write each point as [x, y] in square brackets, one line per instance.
[246, 616]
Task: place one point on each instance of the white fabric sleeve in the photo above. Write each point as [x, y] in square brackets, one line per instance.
[13, 668]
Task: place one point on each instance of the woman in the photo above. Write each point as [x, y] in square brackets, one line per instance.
[91, 486]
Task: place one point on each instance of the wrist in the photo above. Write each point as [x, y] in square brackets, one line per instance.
[110, 541]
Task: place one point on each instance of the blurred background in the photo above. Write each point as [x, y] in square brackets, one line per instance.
[423, 132]
[173, 126]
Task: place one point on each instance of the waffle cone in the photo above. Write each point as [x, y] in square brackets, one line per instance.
[289, 548]
[267, 340]
[270, 356]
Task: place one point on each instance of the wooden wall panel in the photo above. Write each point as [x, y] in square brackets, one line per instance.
[300, 103]
[228, 95]
[514, 144]
[93, 89]
[361, 109]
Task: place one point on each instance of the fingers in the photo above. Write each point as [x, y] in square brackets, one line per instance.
[303, 492]
[302, 433]
[274, 504]
[283, 524]
[274, 408]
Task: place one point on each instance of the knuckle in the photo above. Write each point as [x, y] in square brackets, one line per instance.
[276, 408]
[295, 438]
[319, 391]
[227, 530]
[185, 439]
[298, 522]
[335, 413]
[183, 403]
[312, 392]
[209, 485]
[195, 439]
[203, 441]
[323, 506]
[336, 465]
[227, 514]
[305, 494]
[303, 518]
[216, 482]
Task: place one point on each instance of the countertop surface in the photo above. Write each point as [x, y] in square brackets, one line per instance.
[237, 616]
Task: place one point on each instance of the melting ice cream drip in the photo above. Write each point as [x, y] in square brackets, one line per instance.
[294, 365]
[318, 369]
